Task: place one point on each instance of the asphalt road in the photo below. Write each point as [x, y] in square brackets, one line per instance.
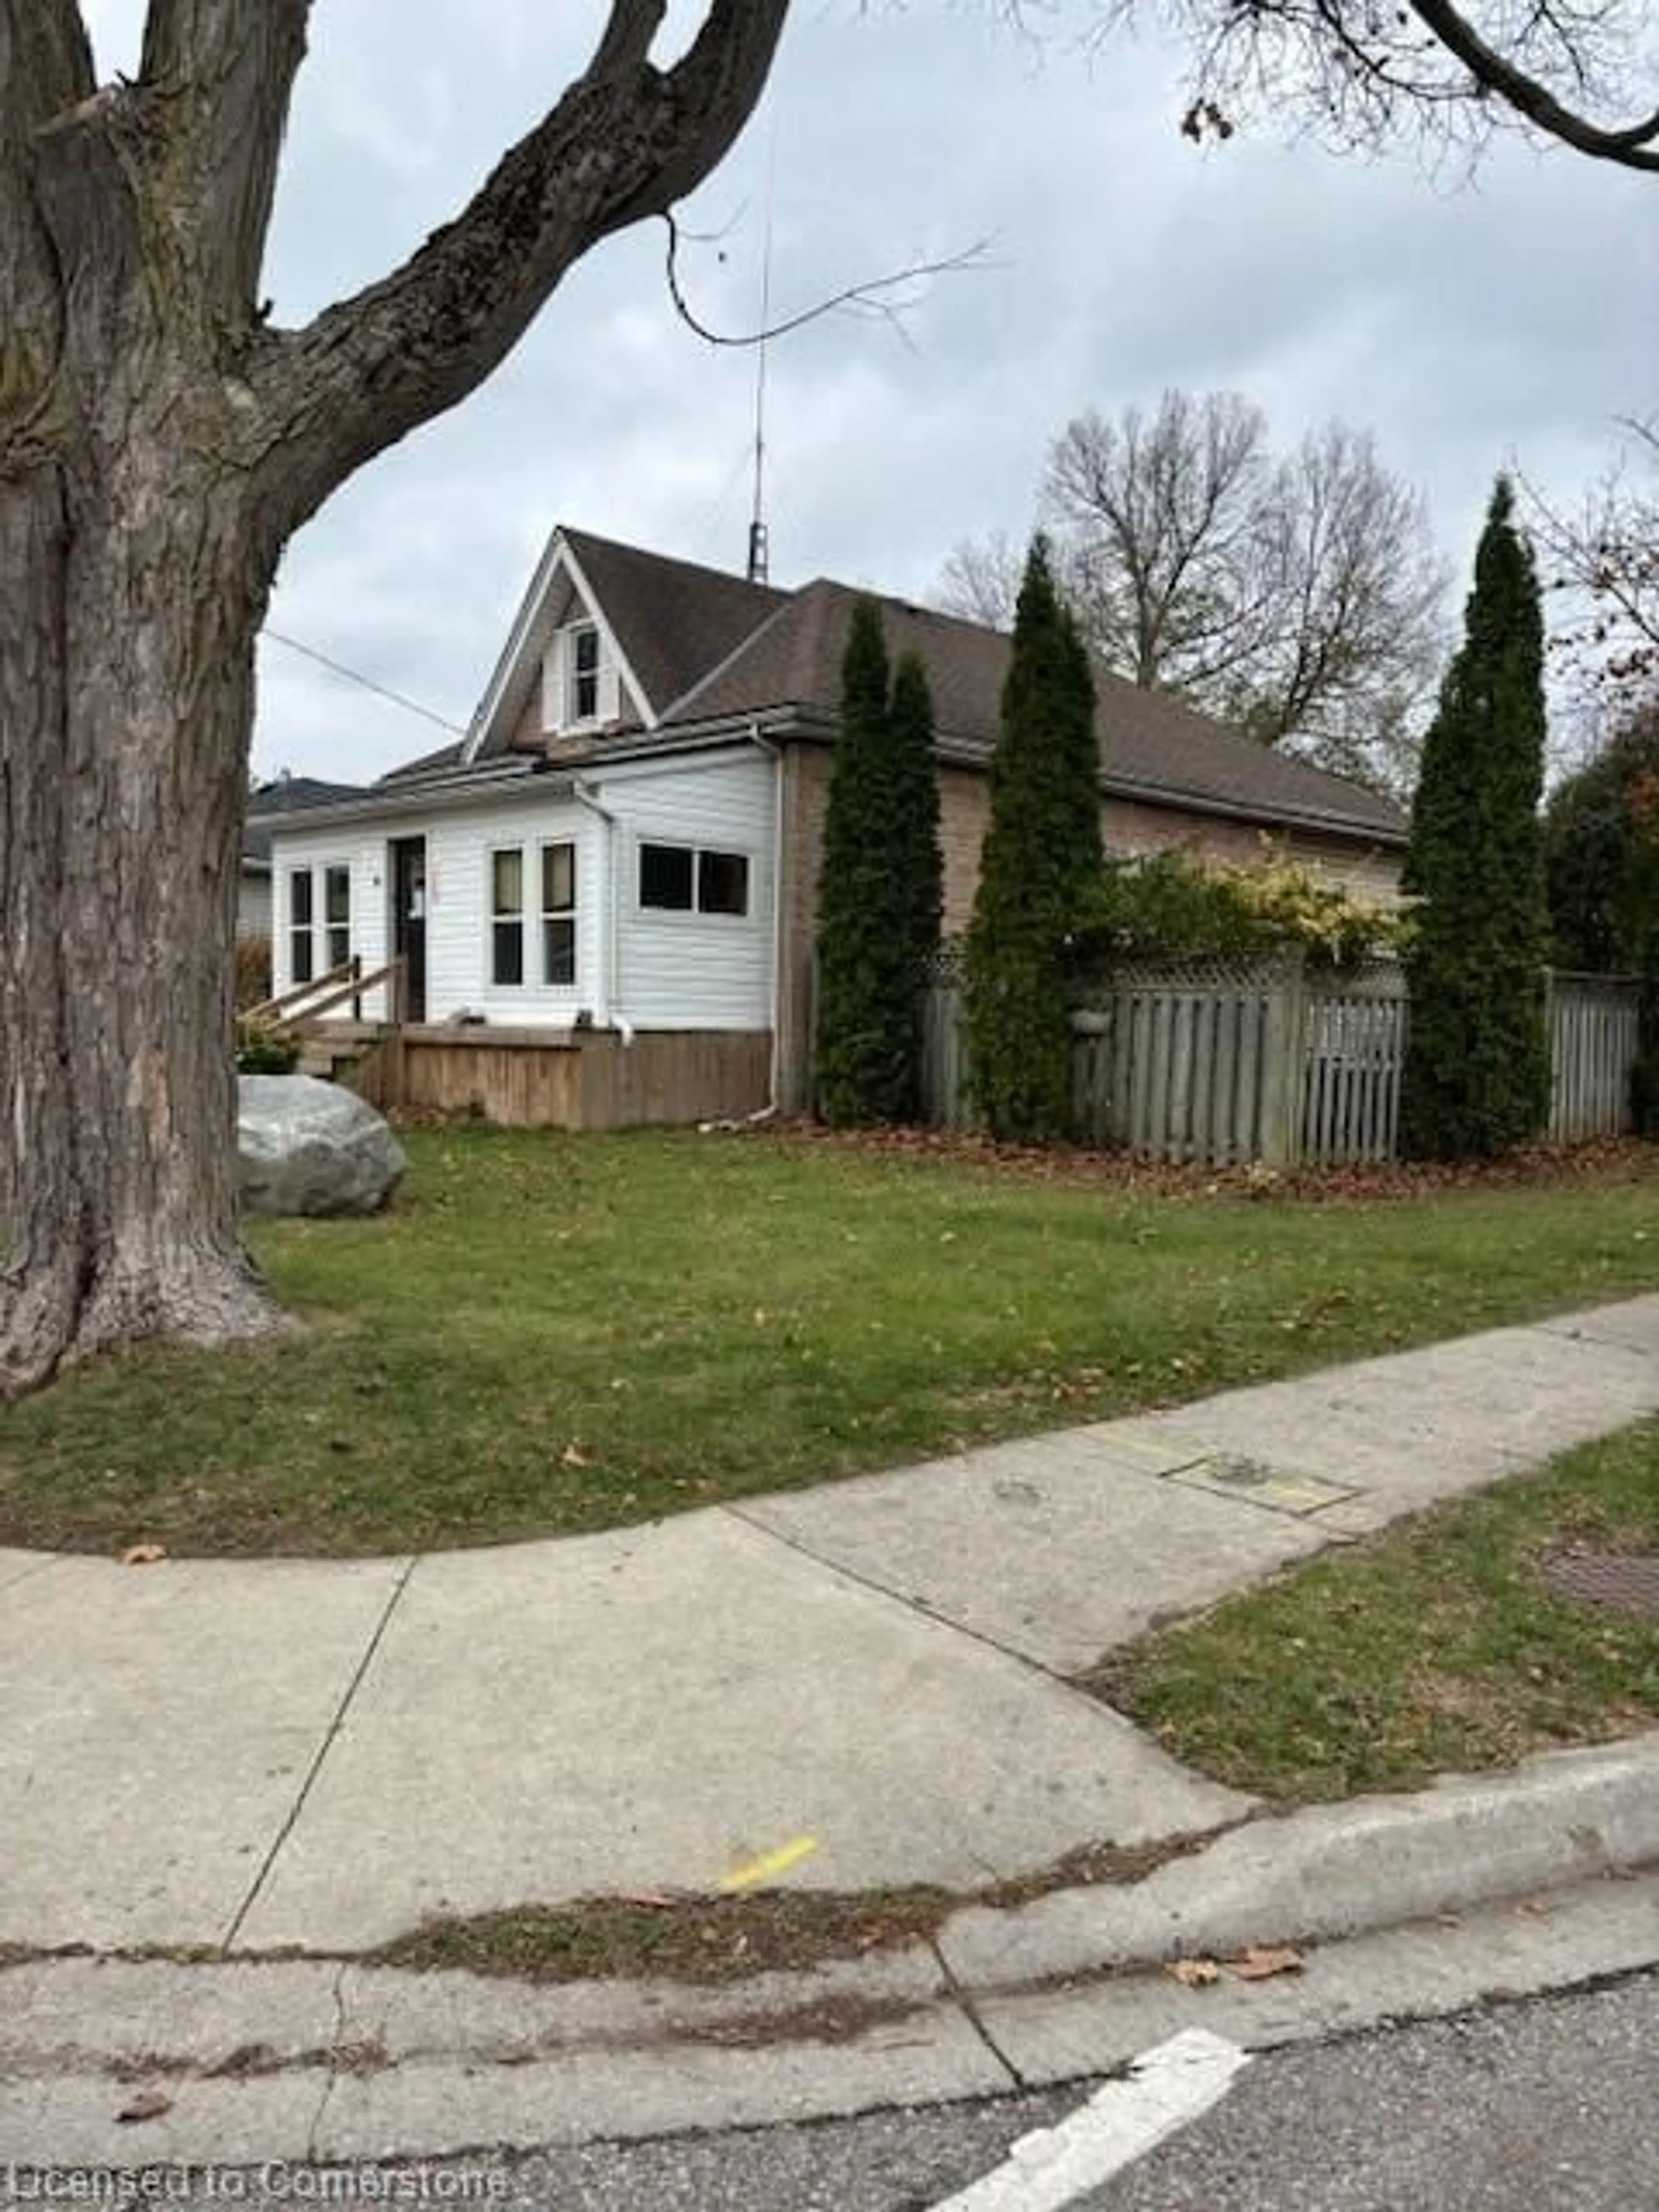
[1550, 2105]
[1547, 2106]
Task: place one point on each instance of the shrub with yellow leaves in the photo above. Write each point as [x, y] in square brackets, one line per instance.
[1173, 905]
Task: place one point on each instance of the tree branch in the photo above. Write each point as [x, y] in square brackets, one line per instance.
[870, 294]
[628, 37]
[1631, 147]
[220, 75]
[626, 140]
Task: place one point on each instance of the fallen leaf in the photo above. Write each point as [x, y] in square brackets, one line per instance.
[148, 2104]
[143, 1555]
[1194, 1973]
[1263, 1960]
[575, 1455]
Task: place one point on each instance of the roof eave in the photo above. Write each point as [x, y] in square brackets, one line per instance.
[415, 798]
[815, 725]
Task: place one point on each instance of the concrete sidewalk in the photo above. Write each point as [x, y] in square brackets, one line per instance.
[871, 1675]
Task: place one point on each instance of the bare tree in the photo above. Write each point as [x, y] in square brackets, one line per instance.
[1160, 516]
[1361, 73]
[159, 443]
[980, 579]
[1355, 638]
[1601, 566]
[1300, 596]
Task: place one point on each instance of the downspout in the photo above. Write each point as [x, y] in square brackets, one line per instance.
[776, 751]
[611, 1015]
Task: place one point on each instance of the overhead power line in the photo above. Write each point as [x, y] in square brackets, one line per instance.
[367, 683]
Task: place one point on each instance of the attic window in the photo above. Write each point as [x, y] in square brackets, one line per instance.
[582, 666]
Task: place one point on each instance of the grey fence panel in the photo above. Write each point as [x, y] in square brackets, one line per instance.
[1223, 1065]
[1593, 1040]
[943, 1060]
[1178, 1065]
[1354, 1053]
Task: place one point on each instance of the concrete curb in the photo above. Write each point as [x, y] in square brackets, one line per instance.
[1336, 1870]
[325, 2060]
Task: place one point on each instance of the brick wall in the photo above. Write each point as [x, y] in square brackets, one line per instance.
[1128, 826]
[1133, 826]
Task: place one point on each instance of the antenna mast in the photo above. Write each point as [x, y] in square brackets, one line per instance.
[759, 548]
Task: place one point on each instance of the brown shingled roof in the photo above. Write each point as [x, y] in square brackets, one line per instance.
[1152, 745]
[710, 648]
[285, 794]
[674, 620]
[426, 763]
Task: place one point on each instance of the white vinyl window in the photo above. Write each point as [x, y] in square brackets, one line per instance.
[301, 927]
[318, 921]
[336, 913]
[559, 913]
[582, 673]
[506, 916]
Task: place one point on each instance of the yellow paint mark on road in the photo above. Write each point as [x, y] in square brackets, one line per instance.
[769, 1865]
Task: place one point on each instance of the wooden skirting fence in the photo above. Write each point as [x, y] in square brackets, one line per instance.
[567, 1079]
[1221, 1064]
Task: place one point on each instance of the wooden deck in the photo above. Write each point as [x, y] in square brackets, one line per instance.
[558, 1078]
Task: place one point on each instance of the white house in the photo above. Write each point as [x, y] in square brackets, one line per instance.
[624, 850]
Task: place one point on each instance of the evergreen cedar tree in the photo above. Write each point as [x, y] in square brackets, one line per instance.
[917, 858]
[1595, 851]
[1476, 1080]
[1042, 853]
[1602, 854]
[879, 886]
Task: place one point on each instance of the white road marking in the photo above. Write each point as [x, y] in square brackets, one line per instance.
[1165, 2089]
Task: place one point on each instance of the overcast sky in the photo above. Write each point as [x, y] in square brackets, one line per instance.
[1469, 323]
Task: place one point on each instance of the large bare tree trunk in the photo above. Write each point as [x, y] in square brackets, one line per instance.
[125, 725]
[159, 445]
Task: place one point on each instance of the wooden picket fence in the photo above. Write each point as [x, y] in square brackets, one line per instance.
[1221, 1064]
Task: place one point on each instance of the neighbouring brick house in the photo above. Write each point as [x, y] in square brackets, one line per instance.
[627, 839]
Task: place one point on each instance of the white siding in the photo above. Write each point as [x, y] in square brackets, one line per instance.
[655, 971]
[252, 903]
[690, 971]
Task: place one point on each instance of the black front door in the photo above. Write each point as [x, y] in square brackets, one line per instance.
[409, 921]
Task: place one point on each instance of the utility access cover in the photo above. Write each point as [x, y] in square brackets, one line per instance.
[1626, 1581]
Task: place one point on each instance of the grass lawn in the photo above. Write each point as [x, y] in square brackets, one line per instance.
[1435, 1647]
[552, 1332]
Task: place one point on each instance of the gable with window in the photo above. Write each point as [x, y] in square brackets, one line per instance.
[582, 687]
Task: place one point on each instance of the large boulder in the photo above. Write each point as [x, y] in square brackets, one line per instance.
[312, 1147]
